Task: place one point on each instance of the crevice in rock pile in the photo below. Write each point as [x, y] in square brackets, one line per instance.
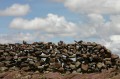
[79, 57]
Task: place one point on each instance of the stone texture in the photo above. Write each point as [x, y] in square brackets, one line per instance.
[80, 57]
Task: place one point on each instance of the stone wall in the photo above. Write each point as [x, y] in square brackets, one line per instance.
[80, 57]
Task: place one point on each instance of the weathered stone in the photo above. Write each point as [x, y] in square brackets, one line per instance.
[38, 53]
[102, 51]
[84, 55]
[93, 44]
[31, 62]
[14, 68]
[40, 67]
[98, 46]
[25, 68]
[2, 69]
[68, 72]
[1, 51]
[24, 64]
[44, 56]
[84, 43]
[61, 69]
[70, 53]
[74, 72]
[84, 67]
[108, 62]
[79, 70]
[65, 50]
[57, 65]
[94, 56]
[89, 47]
[1, 64]
[76, 57]
[72, 66]
[8, 58]
[114, 56]
[100, 65]
[7, 63]
[72, 56]
[77, 64]
[107, 59]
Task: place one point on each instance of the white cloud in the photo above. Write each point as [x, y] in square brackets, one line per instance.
[15, 10]
[13, 38]
[29, 37]
[113, 43]
[93, 6]
[114, 23]
[52, 24]
[115, 38]
[96, 18]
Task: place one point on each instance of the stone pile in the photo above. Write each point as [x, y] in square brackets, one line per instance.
[80, 57]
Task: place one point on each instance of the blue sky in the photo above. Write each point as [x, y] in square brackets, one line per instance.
[55, 20]
[38, 8]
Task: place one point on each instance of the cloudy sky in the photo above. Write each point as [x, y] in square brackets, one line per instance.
[55, 20]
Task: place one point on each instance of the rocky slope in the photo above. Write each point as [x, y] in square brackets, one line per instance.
[79, 60]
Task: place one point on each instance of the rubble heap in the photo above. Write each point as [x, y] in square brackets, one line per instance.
[80, 57]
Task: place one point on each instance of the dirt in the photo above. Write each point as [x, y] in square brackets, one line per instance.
[106, 74]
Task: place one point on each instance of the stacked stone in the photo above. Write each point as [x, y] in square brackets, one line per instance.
[80, 57]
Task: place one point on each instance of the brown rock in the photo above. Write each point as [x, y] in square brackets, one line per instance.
[84, 67]
[84, 55]
[98, 46]
[102, 51]
[61, 69]
[93, 44]
[1, 51]
[72, 66]
[1, 64]
[94, 56]
[25, 68]
[57, 65]
[114, 56]
[89, 43]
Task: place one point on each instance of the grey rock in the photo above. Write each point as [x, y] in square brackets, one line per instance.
[72, 66]
[77, 64]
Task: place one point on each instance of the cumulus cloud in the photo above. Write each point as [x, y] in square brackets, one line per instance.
[96, 18]
[53, 24]
[115, 38]
[13, 38]
[15, 10]
[93, 6]
[113, 43]
[29, 37]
